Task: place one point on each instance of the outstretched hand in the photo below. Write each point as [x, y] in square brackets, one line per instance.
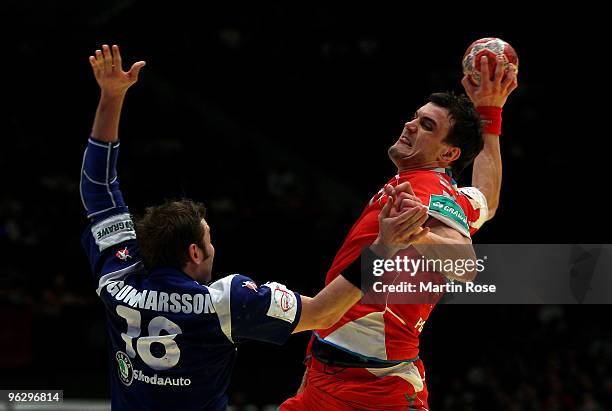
[491, 92]
[107, 68]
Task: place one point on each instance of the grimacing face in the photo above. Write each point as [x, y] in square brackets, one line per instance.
[421, 144]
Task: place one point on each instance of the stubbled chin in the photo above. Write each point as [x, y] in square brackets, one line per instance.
[409, 159]
[400, 155]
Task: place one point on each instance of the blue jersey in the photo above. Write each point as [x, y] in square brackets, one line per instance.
[172, 341]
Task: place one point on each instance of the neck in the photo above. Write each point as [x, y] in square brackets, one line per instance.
[426, 166]
[190, 272]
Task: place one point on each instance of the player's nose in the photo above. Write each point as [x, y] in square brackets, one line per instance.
[410, 126]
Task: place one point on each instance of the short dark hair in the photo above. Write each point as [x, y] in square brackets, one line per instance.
[466, 131]
[166, 231]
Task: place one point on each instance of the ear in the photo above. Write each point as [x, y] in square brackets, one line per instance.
[451, 154]
[195, 254]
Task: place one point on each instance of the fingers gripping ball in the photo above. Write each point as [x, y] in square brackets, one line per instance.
[490, 47]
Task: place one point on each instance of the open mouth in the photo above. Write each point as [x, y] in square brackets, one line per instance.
[405, 140]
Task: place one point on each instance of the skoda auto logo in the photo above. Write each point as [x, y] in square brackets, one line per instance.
[124, 368]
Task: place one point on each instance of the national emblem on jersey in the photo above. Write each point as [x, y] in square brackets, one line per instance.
[250, 285]
[283, 303]
[123, 255]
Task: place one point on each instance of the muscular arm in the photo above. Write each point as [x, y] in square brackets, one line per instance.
[487, 171]
[443, 242]
[328, 306]
[106, 122]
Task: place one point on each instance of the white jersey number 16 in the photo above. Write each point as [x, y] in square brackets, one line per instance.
[143, 344]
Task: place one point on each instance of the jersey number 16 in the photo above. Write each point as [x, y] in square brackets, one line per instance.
[143, 344]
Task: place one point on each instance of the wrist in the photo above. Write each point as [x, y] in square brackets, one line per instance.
[421, 240]
[111, 95]
[491, 117]
[383, 250]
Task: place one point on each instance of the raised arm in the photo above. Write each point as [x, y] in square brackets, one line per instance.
[109, 240]
[489, 97]
[99, 184]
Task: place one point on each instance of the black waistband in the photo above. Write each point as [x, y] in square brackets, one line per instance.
[336, 357]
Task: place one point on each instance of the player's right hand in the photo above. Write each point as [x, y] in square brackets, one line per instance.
[107, 68]
[491, 92]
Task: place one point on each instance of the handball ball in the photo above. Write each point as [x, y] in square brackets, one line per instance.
[490, 47]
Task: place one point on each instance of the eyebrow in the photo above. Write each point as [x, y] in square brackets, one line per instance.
[426, 118]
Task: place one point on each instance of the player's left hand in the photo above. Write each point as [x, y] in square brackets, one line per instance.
[402, 203]
[107, 68]
[492, 93]
[403, 198]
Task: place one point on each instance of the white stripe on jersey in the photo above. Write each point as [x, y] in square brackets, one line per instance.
[406, 371]
[117, 275]
[371, 332]
[220, 291]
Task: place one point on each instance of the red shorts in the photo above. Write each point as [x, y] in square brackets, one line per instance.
[346, 389]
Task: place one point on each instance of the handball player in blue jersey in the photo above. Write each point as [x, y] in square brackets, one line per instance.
[172, 334]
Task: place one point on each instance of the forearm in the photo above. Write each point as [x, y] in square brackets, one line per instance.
[446, 245]
[336, 299]
[487, 172]
[328, 306]
[106, 123]
[99, 184]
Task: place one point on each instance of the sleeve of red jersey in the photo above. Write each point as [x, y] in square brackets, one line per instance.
[460, 210]
[478, 209]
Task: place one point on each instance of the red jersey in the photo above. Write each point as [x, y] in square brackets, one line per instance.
[385, 332]
[392, 332]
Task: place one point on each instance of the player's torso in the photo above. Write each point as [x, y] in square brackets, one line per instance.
[386, 331]
[165, 338]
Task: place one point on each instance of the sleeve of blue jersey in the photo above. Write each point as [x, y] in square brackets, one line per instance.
[110, 239]
[257, 313]
[99, 186]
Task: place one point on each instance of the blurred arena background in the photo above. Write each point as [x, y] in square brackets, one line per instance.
[278, 117]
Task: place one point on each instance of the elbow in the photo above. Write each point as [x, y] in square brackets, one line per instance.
[491, 213]
[470, 276]
[466, 277]
[469, 269]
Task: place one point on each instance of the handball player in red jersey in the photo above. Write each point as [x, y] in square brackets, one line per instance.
[369, 360]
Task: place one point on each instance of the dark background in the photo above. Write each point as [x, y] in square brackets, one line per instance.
[278, 117]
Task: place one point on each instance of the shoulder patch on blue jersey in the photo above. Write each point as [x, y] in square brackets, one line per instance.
[113, 230]
[283, 302]
[449, 212]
